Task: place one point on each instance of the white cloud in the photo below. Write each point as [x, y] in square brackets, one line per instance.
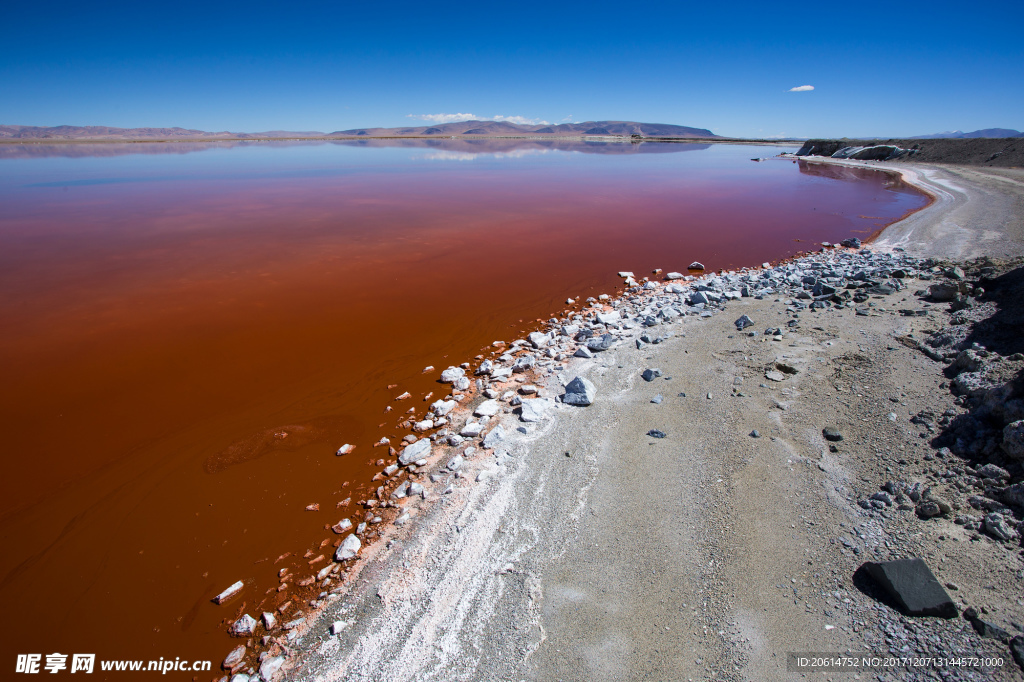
[455, 118]
[802, 88]
[445, 118]
[521, 120]
[568, 118]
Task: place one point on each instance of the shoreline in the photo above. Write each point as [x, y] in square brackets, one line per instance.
[381, 558]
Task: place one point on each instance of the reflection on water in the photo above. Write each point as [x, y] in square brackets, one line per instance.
[513, 147]
[189, 337]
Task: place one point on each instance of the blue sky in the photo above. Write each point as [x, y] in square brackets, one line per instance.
[877, 68]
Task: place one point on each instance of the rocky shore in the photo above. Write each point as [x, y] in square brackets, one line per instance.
[701, 479]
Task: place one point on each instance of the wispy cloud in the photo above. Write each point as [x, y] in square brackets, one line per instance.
[455, 118]
[521, 120]
[444, 118]
[568, 118]
[802, 88]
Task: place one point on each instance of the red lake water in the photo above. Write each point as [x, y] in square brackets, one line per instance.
[170, 310]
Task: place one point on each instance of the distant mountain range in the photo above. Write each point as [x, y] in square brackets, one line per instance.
[480, 128]
[504, 128]
[987, 132]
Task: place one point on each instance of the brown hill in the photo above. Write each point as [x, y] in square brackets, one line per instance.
[14, 132]
[504, 128]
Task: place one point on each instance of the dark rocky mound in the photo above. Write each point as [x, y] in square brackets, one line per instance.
[1004, 152]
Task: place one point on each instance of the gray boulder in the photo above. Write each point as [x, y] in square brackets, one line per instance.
[580, 391]
[650, 374]
[1013, 439]
[913, 586]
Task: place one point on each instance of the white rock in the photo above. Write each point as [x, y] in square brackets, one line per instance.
[534, 409]
[349, 548]
[425, 425]
[494, 436]
[625, 274]
[471, 430]
[674, 275]
[342, 526]
[229, 593]
[538, 340]
[451, 374]
[487, 408]
[418, 450]
[269, 620]
[462, 383]
[611, 317]
[270, 666]
[486, 367]
[696, 265]
[443, 407]
[243, 627]
[583, 352]
[501, 374]
[345, 449]
[234, 659]
[337, 626]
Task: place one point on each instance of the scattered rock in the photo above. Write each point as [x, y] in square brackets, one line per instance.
[451, 374]
[418, 450]
[494, 436]
[913, 586]
[997, 527]
[534, 409]
[580, 391]
[1013, 439]
[831, 434]
[270, 666]
[349, 548]
[743, 323]
[651, 374]
[243, 627]
[345, 449]
[234, 660]
[696, 265]
[655, 433]
[487, 408]
[229, 593]
[657, 399]
[755, 434]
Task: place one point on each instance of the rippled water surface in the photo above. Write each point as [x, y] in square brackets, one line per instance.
[191, 330]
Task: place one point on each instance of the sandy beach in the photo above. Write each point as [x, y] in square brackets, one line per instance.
[698, 525]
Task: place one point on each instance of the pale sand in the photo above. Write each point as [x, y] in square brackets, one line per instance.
[708, 554]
